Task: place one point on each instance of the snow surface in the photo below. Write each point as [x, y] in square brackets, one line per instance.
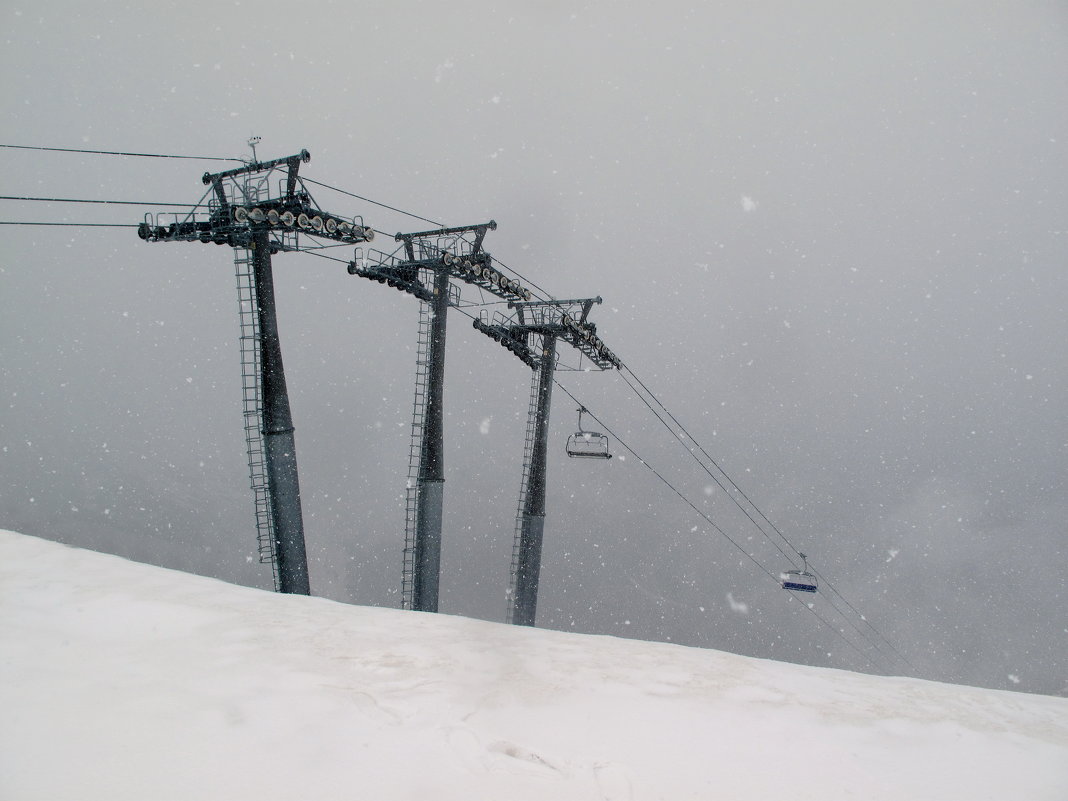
[124, 681]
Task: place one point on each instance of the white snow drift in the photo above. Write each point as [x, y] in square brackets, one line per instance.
[123, 681]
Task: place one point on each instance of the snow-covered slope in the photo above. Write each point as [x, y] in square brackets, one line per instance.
[123, 681]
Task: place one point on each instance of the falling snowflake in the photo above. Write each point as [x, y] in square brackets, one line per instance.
[740, 607]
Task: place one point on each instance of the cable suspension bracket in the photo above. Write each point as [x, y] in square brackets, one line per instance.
[449, 250]
[261, 195]
[566, 320]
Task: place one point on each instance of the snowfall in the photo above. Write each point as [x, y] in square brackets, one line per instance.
[124, 681]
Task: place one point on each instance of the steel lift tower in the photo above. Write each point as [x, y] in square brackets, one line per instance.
[258, 210]
[532, 334]
[424, 265]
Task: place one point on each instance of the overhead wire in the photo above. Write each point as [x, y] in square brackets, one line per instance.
[668, 484]
[120, 153]
[711, 475]
[313, 252]
[716, 464]
[864, 618]
[546, 296]
[745, 511]
[413, 215]
[681, 428]
[105, 202]
[28, 198]
[373, 202]
[754, 506]
[717, 480]
[709, 520]
[70, 224]
[829, 625]
[733, 484]
[324, 247]
[304, 179]
[850, 622]
[721, 531]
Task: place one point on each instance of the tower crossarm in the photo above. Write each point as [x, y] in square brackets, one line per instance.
[262, 195]
[413, 277]
[456, 251]
[479, 230]
[568, 321]
[292, 164]
[548, 318]
[513, 337]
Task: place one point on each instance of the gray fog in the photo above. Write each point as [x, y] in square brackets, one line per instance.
[831, 237]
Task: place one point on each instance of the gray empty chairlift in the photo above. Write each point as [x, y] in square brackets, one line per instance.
[799, 580]
[587, 444]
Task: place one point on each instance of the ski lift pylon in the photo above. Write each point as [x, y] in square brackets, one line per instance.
[799, 580]
[587, 444]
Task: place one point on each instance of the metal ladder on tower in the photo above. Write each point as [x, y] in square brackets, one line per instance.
[252, 406]
[524, 485]
[415, 456]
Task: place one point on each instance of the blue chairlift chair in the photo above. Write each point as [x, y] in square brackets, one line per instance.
[799, 580]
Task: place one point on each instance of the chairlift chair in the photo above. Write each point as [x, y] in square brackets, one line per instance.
[799, 580]
[587, 444]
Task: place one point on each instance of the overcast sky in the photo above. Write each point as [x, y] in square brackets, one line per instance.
[831, 237]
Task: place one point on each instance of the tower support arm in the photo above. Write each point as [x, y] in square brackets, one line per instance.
[479, 230]
[293, 162]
